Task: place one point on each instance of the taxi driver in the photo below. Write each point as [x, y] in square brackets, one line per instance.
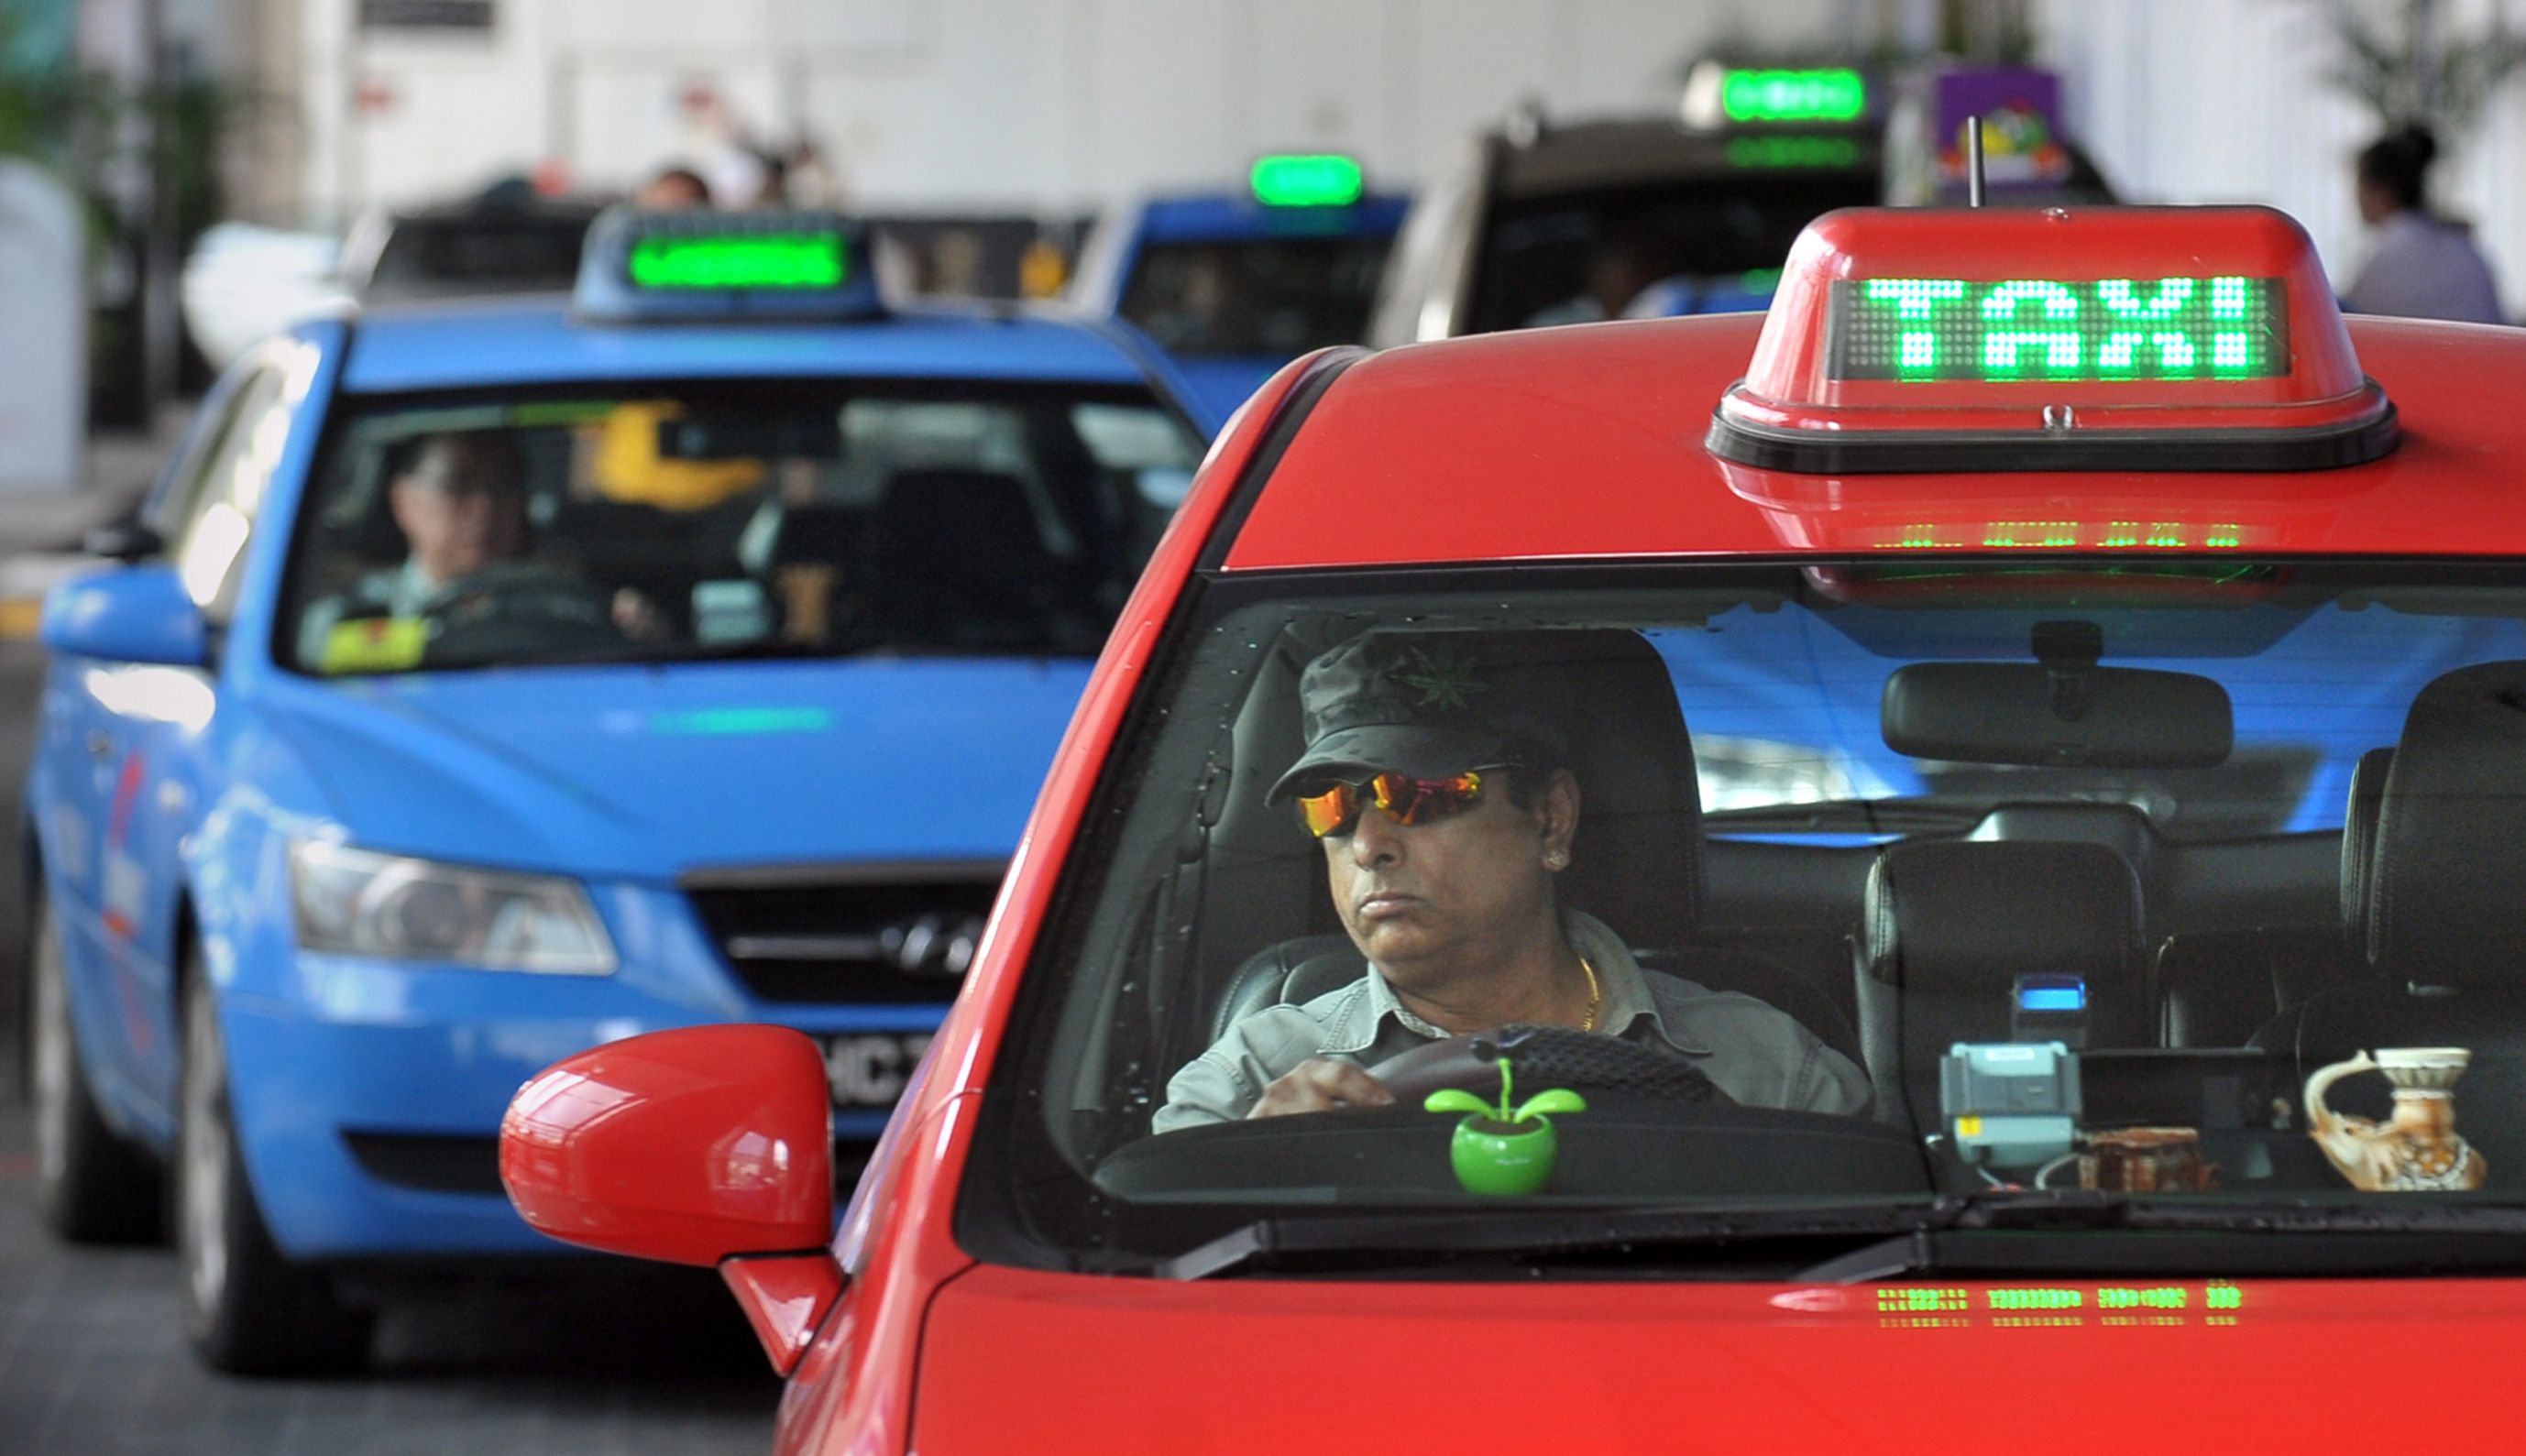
[1446, 817]
[461, 506]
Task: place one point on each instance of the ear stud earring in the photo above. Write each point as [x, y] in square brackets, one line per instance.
[1556, 859]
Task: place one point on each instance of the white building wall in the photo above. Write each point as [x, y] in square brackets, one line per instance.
[2224, 101]
[1024, 105]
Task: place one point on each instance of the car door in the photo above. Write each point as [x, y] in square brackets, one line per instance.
[76, 778]
[136, 726]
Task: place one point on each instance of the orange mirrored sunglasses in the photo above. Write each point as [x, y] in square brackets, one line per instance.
[1400, 797]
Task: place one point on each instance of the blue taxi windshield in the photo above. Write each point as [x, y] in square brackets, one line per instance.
[661, 523]
[1272, 297]
[1690, 245]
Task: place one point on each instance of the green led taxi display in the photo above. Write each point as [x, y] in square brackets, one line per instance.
[1832, 94]
[1781, 153]
[797, 260]
[2113, 328]
[1905, 341]
[699, 267]
[1308, 180]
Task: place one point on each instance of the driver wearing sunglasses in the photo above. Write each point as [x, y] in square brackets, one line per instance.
[1435, 786]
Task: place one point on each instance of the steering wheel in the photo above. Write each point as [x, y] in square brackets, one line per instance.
[1544, 1057]
[514, 609]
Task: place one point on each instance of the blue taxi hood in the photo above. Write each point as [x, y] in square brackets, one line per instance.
[645, 773]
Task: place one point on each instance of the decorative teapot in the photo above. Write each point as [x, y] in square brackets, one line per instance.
[2417, 1150]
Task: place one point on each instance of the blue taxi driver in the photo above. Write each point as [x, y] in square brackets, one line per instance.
[1447, 817]
[461, 507]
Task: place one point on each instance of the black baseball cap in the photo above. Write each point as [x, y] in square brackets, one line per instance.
[1427, 704]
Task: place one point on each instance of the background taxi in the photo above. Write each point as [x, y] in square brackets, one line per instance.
[2022, 748]
[1234, 284]
[495, 679]
[1548, 219]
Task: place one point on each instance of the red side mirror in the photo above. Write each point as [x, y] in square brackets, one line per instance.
[690, 1147]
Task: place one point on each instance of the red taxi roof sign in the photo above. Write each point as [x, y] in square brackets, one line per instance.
[1937, 339]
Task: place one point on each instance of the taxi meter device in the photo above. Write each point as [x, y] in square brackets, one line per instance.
[2010, 1104]
[2060, 338]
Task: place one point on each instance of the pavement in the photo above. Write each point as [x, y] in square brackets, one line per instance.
[598, 1356]
[603, 1357]
[40, 530]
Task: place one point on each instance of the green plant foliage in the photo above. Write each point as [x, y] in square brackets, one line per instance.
[103, 135]
[1550, 1101]
[38, 105]
[2405, 61]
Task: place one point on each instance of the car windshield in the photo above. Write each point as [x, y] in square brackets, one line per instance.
[1276, 297]
[1685, 246]
[657, 525]
[1868, 898]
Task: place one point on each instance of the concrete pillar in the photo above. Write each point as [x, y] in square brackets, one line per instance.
[43, 317]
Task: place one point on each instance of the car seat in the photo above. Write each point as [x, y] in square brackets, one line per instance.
[1950, 929]
[2218, 988]
[956, 561]
[2445, 908]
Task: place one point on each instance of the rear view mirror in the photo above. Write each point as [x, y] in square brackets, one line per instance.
[2060, 715]
[797, 434]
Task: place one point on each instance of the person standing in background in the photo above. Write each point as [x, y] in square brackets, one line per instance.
[2424, 265]
[673, 189]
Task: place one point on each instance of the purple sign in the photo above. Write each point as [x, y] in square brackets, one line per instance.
[2021, 126]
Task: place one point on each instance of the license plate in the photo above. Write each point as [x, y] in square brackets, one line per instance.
[869, 1068]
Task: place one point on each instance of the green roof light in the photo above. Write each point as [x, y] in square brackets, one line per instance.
[1772, 153]
[1319, 181]
[768, 261]
[1832, 95]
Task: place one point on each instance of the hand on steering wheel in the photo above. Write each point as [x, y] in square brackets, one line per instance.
[1321, 1084]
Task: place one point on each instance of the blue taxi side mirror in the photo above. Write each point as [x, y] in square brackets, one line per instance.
[132, 614]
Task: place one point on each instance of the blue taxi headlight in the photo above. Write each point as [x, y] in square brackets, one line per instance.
[357, 902]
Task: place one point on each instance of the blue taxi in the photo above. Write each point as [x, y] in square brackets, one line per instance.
[1234, 284]
[489, 680]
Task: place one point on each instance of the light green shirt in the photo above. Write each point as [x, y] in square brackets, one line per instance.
[1753, 1052]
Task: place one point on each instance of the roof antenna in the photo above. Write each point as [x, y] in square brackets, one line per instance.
[1973, 161]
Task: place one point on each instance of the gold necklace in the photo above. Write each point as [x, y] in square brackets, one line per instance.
[1595, 996]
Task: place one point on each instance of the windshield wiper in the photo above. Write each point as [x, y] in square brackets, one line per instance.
[1358, 1240]
[2288, 1237]
[1996, 1234]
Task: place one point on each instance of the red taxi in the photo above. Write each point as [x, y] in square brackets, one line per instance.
[1949, 860]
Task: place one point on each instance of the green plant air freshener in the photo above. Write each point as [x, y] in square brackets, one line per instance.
[1499, 1151]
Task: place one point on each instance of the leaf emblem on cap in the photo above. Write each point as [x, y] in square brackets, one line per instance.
[1444, 680]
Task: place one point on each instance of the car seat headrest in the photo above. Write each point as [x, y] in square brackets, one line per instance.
[2359, 846]
[2447, 902]
[1637, 861]
[1969, 916]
